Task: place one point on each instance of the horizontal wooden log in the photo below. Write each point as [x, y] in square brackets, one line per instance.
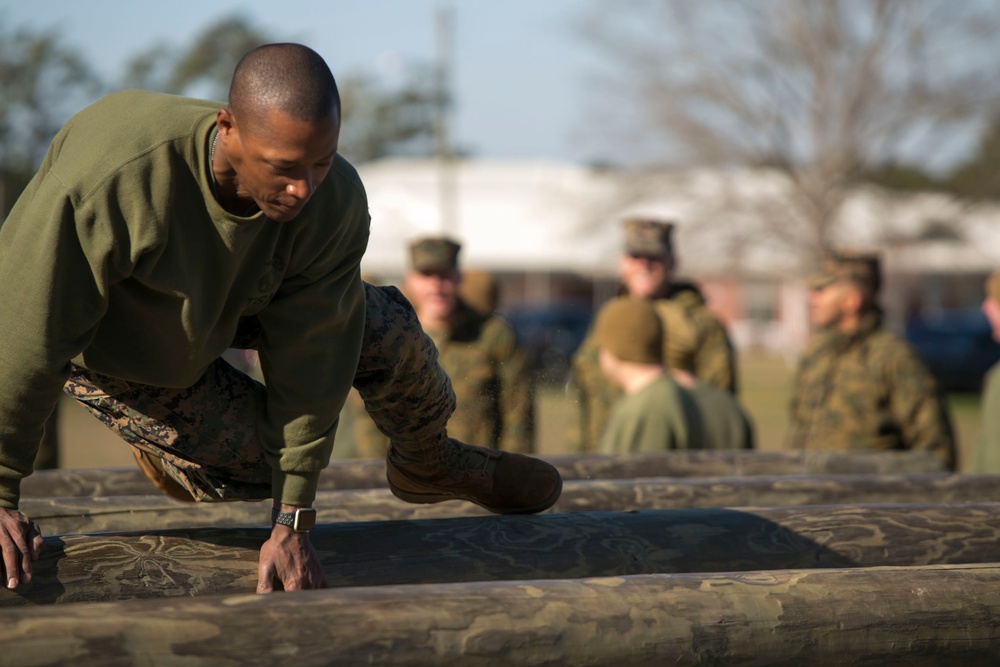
[585, 544]
[370, 473]
[939, 616]
[58, 516]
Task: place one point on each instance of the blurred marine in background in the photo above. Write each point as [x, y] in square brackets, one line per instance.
[661, 409]
[478, 350]
[859, 386]
[697, 342]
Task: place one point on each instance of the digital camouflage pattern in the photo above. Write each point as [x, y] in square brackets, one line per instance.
[434, 253]
[648, 236]
[694, 341]
[493, 388]
[867, 391]
[204, 437]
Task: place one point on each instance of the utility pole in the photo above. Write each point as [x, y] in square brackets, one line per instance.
[446, 168]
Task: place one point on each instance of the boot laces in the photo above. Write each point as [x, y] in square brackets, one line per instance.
[463, 459]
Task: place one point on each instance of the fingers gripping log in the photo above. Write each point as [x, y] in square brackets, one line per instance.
[914, 616]
[58, 516]
[586, 544]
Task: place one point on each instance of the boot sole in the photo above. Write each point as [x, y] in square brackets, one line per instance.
[427, 498]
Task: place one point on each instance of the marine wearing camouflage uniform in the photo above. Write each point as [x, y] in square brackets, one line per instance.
[696, 341]
[488, 371]
[866, 390]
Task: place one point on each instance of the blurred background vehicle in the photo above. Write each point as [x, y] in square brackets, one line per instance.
[550, 334]
[956, 345]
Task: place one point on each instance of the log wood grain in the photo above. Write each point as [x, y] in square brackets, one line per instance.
[58, 516]
[933, 616]
[585, 544]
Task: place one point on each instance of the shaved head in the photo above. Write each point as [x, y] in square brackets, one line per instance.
[290, 78]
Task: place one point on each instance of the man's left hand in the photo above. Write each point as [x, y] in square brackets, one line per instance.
[289, 558]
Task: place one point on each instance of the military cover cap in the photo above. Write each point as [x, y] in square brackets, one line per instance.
[434, 253]
[648, 237]
[993, 286]
[860, 268]
[631, 330]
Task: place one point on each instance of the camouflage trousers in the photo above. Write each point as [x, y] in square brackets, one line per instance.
[204, 437]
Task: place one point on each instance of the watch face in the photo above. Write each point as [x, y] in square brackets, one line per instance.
[305, 519]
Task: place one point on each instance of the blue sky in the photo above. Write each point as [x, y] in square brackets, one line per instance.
[519, 71]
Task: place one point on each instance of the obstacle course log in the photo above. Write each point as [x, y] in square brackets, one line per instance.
[586, 544]
[58, 516]
[370, 473]
[913, 616]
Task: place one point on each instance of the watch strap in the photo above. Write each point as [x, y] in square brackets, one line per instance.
[301, 520]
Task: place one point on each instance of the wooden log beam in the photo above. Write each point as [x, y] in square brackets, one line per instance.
[57, 516]
[370, 473]
[937, 616]
[585, 544]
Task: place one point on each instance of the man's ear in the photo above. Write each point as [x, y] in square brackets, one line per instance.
[225, 122]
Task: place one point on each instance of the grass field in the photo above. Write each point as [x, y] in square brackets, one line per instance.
[765, 384]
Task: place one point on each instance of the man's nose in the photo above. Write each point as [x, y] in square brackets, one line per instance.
[301, 188]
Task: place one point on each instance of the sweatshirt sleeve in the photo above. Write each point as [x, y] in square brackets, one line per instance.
[309, 350]
[54, 268]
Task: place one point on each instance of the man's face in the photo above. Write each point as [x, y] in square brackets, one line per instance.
[828, 305]
[434, 293]
[644, 275]
[991, 309]
[280, 161]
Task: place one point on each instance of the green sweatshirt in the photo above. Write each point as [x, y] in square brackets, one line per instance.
[118, 258]
[659, 417]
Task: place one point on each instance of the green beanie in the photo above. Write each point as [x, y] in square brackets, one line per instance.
[631, 330]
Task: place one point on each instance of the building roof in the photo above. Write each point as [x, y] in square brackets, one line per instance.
[530, 215]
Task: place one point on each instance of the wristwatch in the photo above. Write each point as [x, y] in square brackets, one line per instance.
[302, 520]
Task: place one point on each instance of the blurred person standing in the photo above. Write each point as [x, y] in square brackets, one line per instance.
[859, 386]
[986, 455]
[479, 290]
[660, 409]
[478, 350]
[698, 342]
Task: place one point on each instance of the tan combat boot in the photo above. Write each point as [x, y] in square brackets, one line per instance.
[446, 469]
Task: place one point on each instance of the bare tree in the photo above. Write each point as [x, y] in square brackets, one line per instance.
[821, 90]
[42, 83]
[379, 122]
[204, 67]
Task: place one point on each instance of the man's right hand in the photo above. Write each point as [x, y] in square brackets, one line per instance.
[20, 542]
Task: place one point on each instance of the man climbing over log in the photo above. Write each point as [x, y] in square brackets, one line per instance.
[160, 231]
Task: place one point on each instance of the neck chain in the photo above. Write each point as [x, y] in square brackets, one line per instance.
[211, 174]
